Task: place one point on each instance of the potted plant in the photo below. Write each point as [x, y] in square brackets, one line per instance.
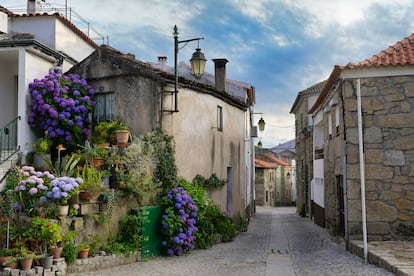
[121, 131]
[106, 174]
[103, 133]
[5, 255]
[91, 186]
[12, 263]
[83, 250]
[47, 232]
[25, 255]
[42, 152]
[95, 155]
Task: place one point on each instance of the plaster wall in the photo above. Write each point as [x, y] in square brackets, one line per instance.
[53, 33]
[210, 150]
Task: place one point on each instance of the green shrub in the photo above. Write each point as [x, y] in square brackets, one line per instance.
[211, 219]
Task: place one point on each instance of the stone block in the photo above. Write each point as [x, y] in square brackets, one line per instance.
[378, 228]
[89, 208]
[394, 158]
[77, 223]
[405, 204]
[378, 211]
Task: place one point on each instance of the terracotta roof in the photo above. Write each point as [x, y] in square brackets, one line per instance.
[276, 160]
[264, 164]
[6, 11]
[316, 88]
[399, 54]
[64, 21]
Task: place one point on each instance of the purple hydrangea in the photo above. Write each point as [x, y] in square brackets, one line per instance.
[61, 105]
[180, 217]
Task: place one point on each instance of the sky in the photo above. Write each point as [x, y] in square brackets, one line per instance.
[281, 47]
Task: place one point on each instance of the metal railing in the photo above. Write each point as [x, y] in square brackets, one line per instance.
[8, 140]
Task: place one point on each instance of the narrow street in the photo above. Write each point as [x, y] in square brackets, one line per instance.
[278, 242]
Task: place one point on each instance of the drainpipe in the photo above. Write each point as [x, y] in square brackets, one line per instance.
[362, 170]
[344, 167]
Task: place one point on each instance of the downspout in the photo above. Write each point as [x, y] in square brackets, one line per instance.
[362, 170]
[344, 167]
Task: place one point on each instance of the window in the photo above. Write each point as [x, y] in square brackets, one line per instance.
[329, 124]
[219, 118]
[105, 105]
[337, 120]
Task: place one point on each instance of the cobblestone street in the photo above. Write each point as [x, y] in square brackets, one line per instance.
[278, 242]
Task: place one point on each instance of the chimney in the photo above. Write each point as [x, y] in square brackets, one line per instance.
[220, 73]
[31, 6]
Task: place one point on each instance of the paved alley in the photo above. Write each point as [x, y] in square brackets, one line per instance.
[278, 242]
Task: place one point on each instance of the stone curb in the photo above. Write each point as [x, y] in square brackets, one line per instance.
[380, 256]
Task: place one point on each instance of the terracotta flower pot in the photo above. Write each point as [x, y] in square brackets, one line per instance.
[3, 260]
[97, 162]
[57, 252]
[26, 263]
[122, 136]
[83, 254]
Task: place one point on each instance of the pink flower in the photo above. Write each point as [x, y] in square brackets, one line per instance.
[76, 206]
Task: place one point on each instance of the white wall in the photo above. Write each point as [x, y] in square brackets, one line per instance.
[31, 66]
[318, 182]
[53, 33]
[8, 84]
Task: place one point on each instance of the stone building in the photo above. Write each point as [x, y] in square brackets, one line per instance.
[363, 140]
[280, 178]
[304, 145]
[265, 175]
[211, 126]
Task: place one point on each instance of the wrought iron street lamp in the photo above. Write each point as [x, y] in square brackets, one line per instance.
[198, 62]
[261, 124]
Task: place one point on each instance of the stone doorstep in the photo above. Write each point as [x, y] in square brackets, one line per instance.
[379, 258]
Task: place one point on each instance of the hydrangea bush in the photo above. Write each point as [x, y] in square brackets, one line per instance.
[60, 107]
[36, 188]
[178, 222]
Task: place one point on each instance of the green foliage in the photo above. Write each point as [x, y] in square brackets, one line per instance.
[225, 227]
[65, 166]
[95, 243]
[43, 230]
[130, 234]
[139, 162]
[92, 180]
[242, 226]
[69, 248]
[213, 182]
[69, 253]
[164, 151]
[210, 219]
[43, 145]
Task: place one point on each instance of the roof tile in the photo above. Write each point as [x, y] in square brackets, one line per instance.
[399, 54]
